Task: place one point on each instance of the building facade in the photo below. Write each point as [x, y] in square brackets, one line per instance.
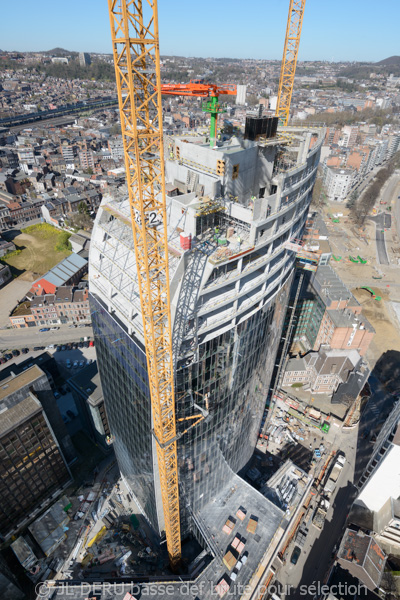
[322, 372]
[338, 183]
[230, 274]
[32, 464]
[328, 314]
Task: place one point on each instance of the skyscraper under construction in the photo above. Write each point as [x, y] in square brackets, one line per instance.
[231, 211]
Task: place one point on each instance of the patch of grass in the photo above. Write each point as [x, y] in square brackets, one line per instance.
[63, 242]
[297, 385]
[13, 253]
[39, 248]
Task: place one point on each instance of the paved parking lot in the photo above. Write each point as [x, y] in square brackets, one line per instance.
[62, 358]
[12, 293]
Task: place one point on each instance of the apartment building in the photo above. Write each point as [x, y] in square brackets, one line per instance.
[322, 372]
[328, 314]
[338, 182]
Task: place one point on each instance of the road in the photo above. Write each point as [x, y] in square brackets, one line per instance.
[396, 207]
[382, 221]
[30, 336]
[318, 553]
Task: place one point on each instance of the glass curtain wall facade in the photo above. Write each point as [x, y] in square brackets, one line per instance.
[233, 372]
[230, 275]
[123, 369]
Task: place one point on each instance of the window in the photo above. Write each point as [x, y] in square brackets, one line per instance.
[220, 167]
[235, 171]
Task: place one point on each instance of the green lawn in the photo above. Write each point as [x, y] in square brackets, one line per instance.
[36, 246]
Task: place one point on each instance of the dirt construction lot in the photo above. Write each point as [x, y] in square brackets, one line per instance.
[347, 240]
[38, 253]
[381, 317]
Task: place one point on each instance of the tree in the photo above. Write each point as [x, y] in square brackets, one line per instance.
[80, 220]
[352, 199]
[319, 193]
[83, 209]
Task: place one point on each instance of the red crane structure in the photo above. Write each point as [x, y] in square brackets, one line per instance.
[198, 88]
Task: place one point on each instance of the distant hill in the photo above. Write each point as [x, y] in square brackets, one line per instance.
[392, 61]
[59, 52]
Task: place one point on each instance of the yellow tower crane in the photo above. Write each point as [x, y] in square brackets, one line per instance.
[289, 60]
[134, 31]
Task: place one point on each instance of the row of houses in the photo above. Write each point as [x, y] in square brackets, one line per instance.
[57, 297]
[68, 305]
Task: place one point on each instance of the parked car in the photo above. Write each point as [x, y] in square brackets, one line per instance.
[89, 361]
[76, 364]
[82, 325]
[71, 326]
[56, 394]
[54, 328]
[63, 348]
[2, 360]
[295, 555]
[86, 344]
[80, 344]
[36, 348]
[50, 346]
[16, 352]
[82, 363]
[91, 343]
[25, 350]
[8, 356]
[44, 329]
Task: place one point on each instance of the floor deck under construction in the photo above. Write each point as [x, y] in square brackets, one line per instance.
[239, 516]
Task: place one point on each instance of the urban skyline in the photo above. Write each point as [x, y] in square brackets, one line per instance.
[327, 34]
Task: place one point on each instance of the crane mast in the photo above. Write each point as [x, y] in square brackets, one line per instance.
[289, 60]
[135, 40]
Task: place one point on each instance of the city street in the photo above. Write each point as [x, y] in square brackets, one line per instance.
[30, 337]
[317, 555]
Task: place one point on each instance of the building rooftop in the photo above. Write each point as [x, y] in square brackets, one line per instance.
[87, 382]
[287, 487]
[14, 383]
[354, 384]
[362, 550]
[47, 299]
[66, 269]
[48, 529]
[383, 483]
[346, 318]
[16, 414]
[295, 364]
[238, 515]
[331, 286]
